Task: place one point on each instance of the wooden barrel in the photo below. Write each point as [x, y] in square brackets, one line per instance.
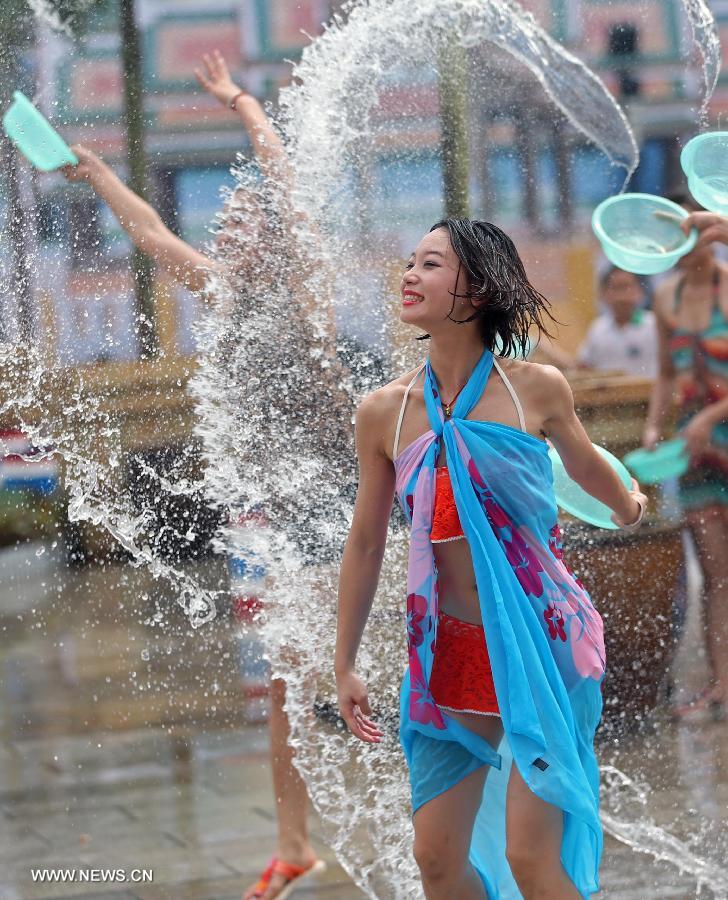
[634, 581]
[633, 578]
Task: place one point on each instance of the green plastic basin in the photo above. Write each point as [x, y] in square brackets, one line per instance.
[35, 137]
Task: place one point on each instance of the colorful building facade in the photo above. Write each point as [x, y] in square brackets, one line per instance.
[540, 180]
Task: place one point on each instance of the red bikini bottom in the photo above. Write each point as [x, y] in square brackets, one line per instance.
[462, 680]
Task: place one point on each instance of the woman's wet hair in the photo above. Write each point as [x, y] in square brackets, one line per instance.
[491, 269]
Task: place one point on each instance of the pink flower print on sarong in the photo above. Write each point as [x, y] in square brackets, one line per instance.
[496, 515]
[582, 628]
[416, 615]
[422, 706]
[555, 621]
[587, 648]
[475, 474]
[556, 542]
[525, 564]
[557, 548]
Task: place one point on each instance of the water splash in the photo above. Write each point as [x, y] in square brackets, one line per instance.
[61, 17]
[625, 815]
[275, 403]
[343, 73]
[89, 444]
[707, 43]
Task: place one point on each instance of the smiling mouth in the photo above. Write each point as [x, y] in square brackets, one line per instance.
[410, 299]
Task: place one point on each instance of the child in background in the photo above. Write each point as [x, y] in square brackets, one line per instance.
[623, 338]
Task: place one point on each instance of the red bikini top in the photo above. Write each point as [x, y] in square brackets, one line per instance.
[445, 519]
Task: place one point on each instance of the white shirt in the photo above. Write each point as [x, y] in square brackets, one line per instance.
[631, 349]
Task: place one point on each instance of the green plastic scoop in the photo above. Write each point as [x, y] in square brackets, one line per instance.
[669, 459]
[572, 498]
[35, 137]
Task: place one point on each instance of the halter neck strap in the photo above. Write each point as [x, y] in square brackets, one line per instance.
[467, 399]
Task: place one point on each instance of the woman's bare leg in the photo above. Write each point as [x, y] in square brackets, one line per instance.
[290, 795]
[709, 529]
[444, 828]
[534, 831]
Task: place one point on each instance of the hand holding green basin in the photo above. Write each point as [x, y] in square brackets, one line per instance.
[575, 500]
[668, 460]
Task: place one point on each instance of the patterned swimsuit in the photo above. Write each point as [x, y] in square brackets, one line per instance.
[700, 360]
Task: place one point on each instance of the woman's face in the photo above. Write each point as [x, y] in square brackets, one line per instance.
[429, 282]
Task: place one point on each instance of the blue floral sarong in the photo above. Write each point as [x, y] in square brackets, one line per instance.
[544, 637]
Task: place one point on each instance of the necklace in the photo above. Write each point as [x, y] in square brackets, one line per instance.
[447, 407]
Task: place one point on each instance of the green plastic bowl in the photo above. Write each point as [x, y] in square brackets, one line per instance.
[641, 233]
[574, 500]
[35, 137]
[668, 460]
[704, 160]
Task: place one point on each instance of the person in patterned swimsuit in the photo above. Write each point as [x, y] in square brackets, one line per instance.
[692, 319]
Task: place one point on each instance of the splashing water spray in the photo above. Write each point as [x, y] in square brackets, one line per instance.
[275, 402]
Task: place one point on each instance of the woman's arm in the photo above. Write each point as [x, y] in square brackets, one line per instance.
[699, 430]
[361, 564]
[267, 144]
[268, 147]
[581, 461]
[664, 385]
[141, 222]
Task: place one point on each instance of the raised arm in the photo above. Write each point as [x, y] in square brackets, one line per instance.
[580, 459]
[141, 222]
[214, 76]
[361, 563]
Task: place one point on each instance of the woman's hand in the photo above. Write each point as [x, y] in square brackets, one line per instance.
[710, 226]
[639, 505]
[354, 707]
[216, 78]
[697, 434]
[87, 162]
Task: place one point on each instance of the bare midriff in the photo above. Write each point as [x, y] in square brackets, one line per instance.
[458, 592]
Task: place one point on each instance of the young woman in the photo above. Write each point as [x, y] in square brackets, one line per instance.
[692, 320]
[295, 858]
[506, 652]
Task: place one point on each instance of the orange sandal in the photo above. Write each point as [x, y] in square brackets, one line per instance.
[294, 876]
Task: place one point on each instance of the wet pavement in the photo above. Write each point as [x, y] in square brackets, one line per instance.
[129, 741]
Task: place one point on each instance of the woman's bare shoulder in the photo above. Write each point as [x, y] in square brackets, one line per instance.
[378, 412]
[531, 375]
[390, 394]
[539, 385]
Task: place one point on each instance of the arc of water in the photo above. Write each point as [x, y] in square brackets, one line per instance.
[345, 67]
[643, 835]
[707, 41]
